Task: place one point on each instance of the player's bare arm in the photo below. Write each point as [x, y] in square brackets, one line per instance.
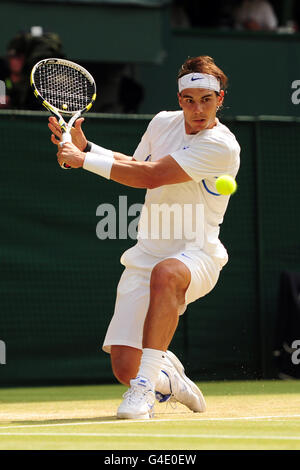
[148, 175]
[130, 172]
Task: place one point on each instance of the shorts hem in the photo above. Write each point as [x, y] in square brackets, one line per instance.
[107, 346]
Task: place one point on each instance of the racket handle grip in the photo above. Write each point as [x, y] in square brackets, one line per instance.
[66, 137]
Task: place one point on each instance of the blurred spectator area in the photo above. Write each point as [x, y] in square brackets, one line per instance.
[109, 38]
[22, 52]
[119, 91]
[221, 13]
[133, 47]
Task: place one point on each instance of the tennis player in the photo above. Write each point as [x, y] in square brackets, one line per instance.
[177, 161]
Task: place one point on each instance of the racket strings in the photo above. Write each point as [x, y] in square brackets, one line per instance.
[64, 87]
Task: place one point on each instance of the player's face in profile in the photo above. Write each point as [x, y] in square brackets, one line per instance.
[199, 107]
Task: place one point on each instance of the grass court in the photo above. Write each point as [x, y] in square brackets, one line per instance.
[245, 415]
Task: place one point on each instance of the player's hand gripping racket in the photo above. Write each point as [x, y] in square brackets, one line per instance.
[63, 87]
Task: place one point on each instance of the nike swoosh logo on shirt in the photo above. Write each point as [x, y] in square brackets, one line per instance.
[183, 254]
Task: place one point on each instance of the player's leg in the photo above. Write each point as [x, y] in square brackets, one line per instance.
[125, 362]
[138, 400]
[158, 366]
[125, 332]
[169, 281]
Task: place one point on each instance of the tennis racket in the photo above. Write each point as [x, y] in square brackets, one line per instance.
[63, 87]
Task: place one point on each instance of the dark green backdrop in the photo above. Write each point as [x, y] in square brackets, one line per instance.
[261, 68]
[58, 280]
[261, 65]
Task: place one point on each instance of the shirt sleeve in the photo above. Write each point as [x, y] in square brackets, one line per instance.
[143, 150]
[208, 160]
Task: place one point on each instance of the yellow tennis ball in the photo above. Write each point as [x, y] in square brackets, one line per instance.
[64, 106]
[226, 185]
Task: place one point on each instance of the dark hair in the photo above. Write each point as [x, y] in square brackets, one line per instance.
[203, 64]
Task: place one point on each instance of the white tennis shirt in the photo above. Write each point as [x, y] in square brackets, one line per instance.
[186, 216]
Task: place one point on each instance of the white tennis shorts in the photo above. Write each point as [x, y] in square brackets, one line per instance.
[133, 292]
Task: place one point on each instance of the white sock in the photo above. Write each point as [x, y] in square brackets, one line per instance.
[151, 364]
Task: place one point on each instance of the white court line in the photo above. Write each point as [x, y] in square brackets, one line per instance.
[153, 436]
[155, 421]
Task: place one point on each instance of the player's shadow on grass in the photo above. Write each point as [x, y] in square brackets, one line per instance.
[160, 413]
[74, 421]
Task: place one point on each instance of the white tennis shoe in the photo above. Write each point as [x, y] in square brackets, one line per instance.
[182, 388]
[138, 401]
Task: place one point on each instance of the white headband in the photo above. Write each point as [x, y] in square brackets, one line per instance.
[199, 80]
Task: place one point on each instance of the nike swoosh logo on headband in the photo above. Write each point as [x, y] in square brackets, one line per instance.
[199, 78]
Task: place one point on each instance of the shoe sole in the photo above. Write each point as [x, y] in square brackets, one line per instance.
[180, 369]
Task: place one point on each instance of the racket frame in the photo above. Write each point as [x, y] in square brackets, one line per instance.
[58, 113]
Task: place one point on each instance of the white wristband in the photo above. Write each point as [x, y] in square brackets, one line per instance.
[101, 150]
[99, 164]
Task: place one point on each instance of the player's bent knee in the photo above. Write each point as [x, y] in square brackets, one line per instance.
[167, 275]
[162, 277]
